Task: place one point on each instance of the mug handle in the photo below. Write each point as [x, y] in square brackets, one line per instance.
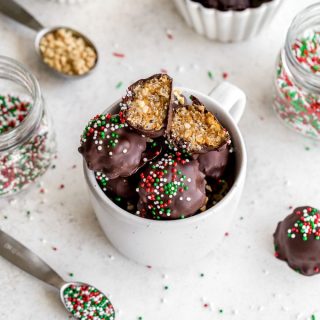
[231, 98]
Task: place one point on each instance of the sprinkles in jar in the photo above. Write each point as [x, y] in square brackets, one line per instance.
[297, 81]
[26, 140]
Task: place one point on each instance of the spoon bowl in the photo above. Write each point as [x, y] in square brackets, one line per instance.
[45, 31]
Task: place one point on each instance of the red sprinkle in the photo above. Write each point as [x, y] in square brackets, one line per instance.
[61, 186]
[118, 54]
[225, 75]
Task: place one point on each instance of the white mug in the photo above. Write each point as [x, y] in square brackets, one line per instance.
[172, 243]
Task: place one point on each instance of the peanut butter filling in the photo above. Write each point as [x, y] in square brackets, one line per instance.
[149, 107]
[197, 129]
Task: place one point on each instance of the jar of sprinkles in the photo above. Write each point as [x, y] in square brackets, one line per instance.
[297, 81]
[27, 141]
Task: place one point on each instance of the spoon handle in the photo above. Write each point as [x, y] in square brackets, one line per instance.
[25, 259]
[13, 10]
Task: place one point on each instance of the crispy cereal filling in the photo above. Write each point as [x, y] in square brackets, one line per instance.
[150, 104]
[197, 129]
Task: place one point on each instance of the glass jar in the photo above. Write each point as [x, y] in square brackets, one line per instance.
[27, 140]
[297, 80]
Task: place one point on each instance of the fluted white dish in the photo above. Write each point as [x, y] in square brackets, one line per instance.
[227, 26]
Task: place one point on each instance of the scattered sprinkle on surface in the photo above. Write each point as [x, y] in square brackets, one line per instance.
[118, 55]
[119, 85]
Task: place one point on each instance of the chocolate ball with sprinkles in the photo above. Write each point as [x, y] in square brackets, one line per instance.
[297, 240]
[110, 146]
[194, 129]
[121, 187]
[147, 105]
[172, 187]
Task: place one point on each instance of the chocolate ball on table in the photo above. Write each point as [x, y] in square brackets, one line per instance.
[297, 240]
[171, 187]
[110, 146]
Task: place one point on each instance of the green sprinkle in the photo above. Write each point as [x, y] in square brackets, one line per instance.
[119, 85]
[166, 287]
[313, 317]
[210, 75]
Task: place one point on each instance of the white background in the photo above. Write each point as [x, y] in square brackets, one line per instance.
[241, 277]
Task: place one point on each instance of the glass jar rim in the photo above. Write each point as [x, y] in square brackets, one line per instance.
[18, 73]
[301, 74]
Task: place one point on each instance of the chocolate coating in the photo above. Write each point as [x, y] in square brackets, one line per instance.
[296, 240]
[171, 188]
[110, 146]
[238, 5]
[214, 163]
[124, 187]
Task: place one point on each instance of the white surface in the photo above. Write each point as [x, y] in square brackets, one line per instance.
[193, 238]
[242, 276]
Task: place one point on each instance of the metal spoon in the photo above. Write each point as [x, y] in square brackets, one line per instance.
[13, 10]
[25, 259]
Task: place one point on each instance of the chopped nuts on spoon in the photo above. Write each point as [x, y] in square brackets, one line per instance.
[67, 52]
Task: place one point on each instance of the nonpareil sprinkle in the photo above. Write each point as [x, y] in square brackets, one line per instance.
[85, 302]
[12, 112]
[22, 165]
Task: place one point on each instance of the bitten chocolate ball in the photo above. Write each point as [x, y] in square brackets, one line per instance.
[147, 105]
[171, 188]
[194, 129]
[213, 163]
[110, 146]
[297, 240]
[124, 187]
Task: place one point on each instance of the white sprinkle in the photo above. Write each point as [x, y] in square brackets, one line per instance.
[99, 148]
[110, 153]
[125, 150]
[188, 199]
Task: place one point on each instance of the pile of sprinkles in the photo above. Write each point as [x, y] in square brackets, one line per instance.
[306, 50]
[160, 190]
[300, 108]
[85, 302]
[307, 225]
[103, 127]
[22, 165]
[12, 112]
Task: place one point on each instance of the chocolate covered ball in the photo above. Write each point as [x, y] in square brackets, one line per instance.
[110, 146]
[172, 187]
[124, 187]
[214, 163]
[297, 240]
[237, 5]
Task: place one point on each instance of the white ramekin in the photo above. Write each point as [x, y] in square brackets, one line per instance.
[177, 242]
[227, 26]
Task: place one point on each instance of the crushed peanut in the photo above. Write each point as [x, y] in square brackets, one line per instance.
[149, 107]
[197, 129]
[67, 52]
